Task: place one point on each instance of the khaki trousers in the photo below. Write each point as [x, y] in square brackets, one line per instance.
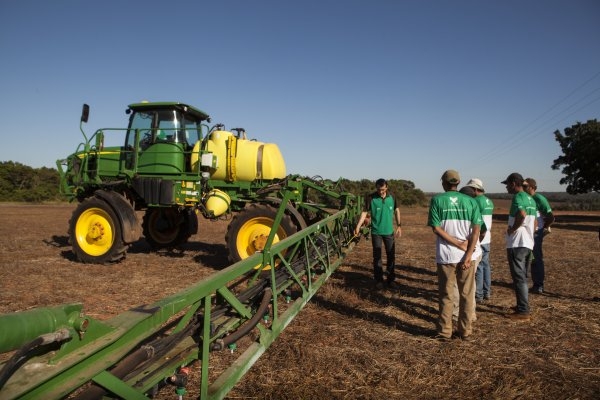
[474, 264]
[450, 275]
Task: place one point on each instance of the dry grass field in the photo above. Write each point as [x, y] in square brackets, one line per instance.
[350, 341]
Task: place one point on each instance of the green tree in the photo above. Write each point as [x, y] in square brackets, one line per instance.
[20, 182]
[580, 161]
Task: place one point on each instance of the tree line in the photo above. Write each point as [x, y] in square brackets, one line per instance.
[579, 163]
[22, 183]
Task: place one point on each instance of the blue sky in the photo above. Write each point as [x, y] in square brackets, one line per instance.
[353, 89]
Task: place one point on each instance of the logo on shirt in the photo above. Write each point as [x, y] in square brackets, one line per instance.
[454, 200]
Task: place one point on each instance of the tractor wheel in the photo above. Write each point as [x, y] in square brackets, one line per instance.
[249, 230]
[168, 227]
[95, 233]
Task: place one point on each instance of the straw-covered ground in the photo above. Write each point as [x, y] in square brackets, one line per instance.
[351, 341]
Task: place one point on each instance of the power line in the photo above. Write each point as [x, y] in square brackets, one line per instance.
[524, 139]
[517, 138]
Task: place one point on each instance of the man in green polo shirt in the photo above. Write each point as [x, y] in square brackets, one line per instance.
[545, 218]
[381, 210]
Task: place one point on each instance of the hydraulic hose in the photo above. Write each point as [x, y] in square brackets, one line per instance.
[23, 353]
[249, 325]
[127, 364]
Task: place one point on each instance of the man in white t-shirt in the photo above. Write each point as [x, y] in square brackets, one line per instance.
[455, 219]
[519, 242]
[483, 275]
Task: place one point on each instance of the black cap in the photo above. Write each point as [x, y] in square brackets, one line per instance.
[380, 182]
[514, 177]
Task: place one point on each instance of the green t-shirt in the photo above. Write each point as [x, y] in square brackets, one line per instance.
[522, 237]
[455, 213]
[486, 206]
[382, 214]
[543, 208]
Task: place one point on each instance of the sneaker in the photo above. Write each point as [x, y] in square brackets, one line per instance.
[487, 298]
[536, 290]
[517, 316]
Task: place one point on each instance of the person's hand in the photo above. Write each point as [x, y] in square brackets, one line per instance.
[465, 265]
[398, 231]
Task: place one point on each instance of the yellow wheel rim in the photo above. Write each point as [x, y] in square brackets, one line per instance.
[253, 236]
[94, 232]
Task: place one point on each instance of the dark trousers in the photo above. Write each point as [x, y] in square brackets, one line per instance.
[518, 260]
[378, 242]
[537, 266]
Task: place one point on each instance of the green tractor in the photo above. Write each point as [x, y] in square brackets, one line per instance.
[167, 167]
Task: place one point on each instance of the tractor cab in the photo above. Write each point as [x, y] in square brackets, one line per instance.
[164, 135]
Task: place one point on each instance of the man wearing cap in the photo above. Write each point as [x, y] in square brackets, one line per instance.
[455, 219]
[483, 275]
[545, 218]
[519, 242]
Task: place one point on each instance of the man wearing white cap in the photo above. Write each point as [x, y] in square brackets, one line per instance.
[483, 275]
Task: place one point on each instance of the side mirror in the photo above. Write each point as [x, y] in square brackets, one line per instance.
[85, 113]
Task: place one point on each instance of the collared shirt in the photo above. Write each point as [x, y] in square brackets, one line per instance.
[455, 213]
[523, 236]
[382, 213]
[543, 208]
[486, 206]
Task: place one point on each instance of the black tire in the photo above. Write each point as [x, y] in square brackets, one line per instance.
[250, 228]
[168, 227]
[95, 233]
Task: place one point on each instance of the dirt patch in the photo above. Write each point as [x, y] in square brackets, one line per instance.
[350, 341]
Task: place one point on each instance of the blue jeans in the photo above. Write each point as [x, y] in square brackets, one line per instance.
[483, 275]
[518, 258]
[537, 266]
[390, 253]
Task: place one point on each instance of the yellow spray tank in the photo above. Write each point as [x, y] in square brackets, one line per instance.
[235, 158]
[217, 202]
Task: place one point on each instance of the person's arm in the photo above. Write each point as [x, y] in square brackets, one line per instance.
[548, 220]
[472, 242]
[482, 232]
[519, 218]
[461, 244]
[361, 220]
[398, 230]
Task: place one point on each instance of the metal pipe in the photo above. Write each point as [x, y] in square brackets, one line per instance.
[25, 326]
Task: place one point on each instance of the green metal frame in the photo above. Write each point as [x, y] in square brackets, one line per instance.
[305, 260]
